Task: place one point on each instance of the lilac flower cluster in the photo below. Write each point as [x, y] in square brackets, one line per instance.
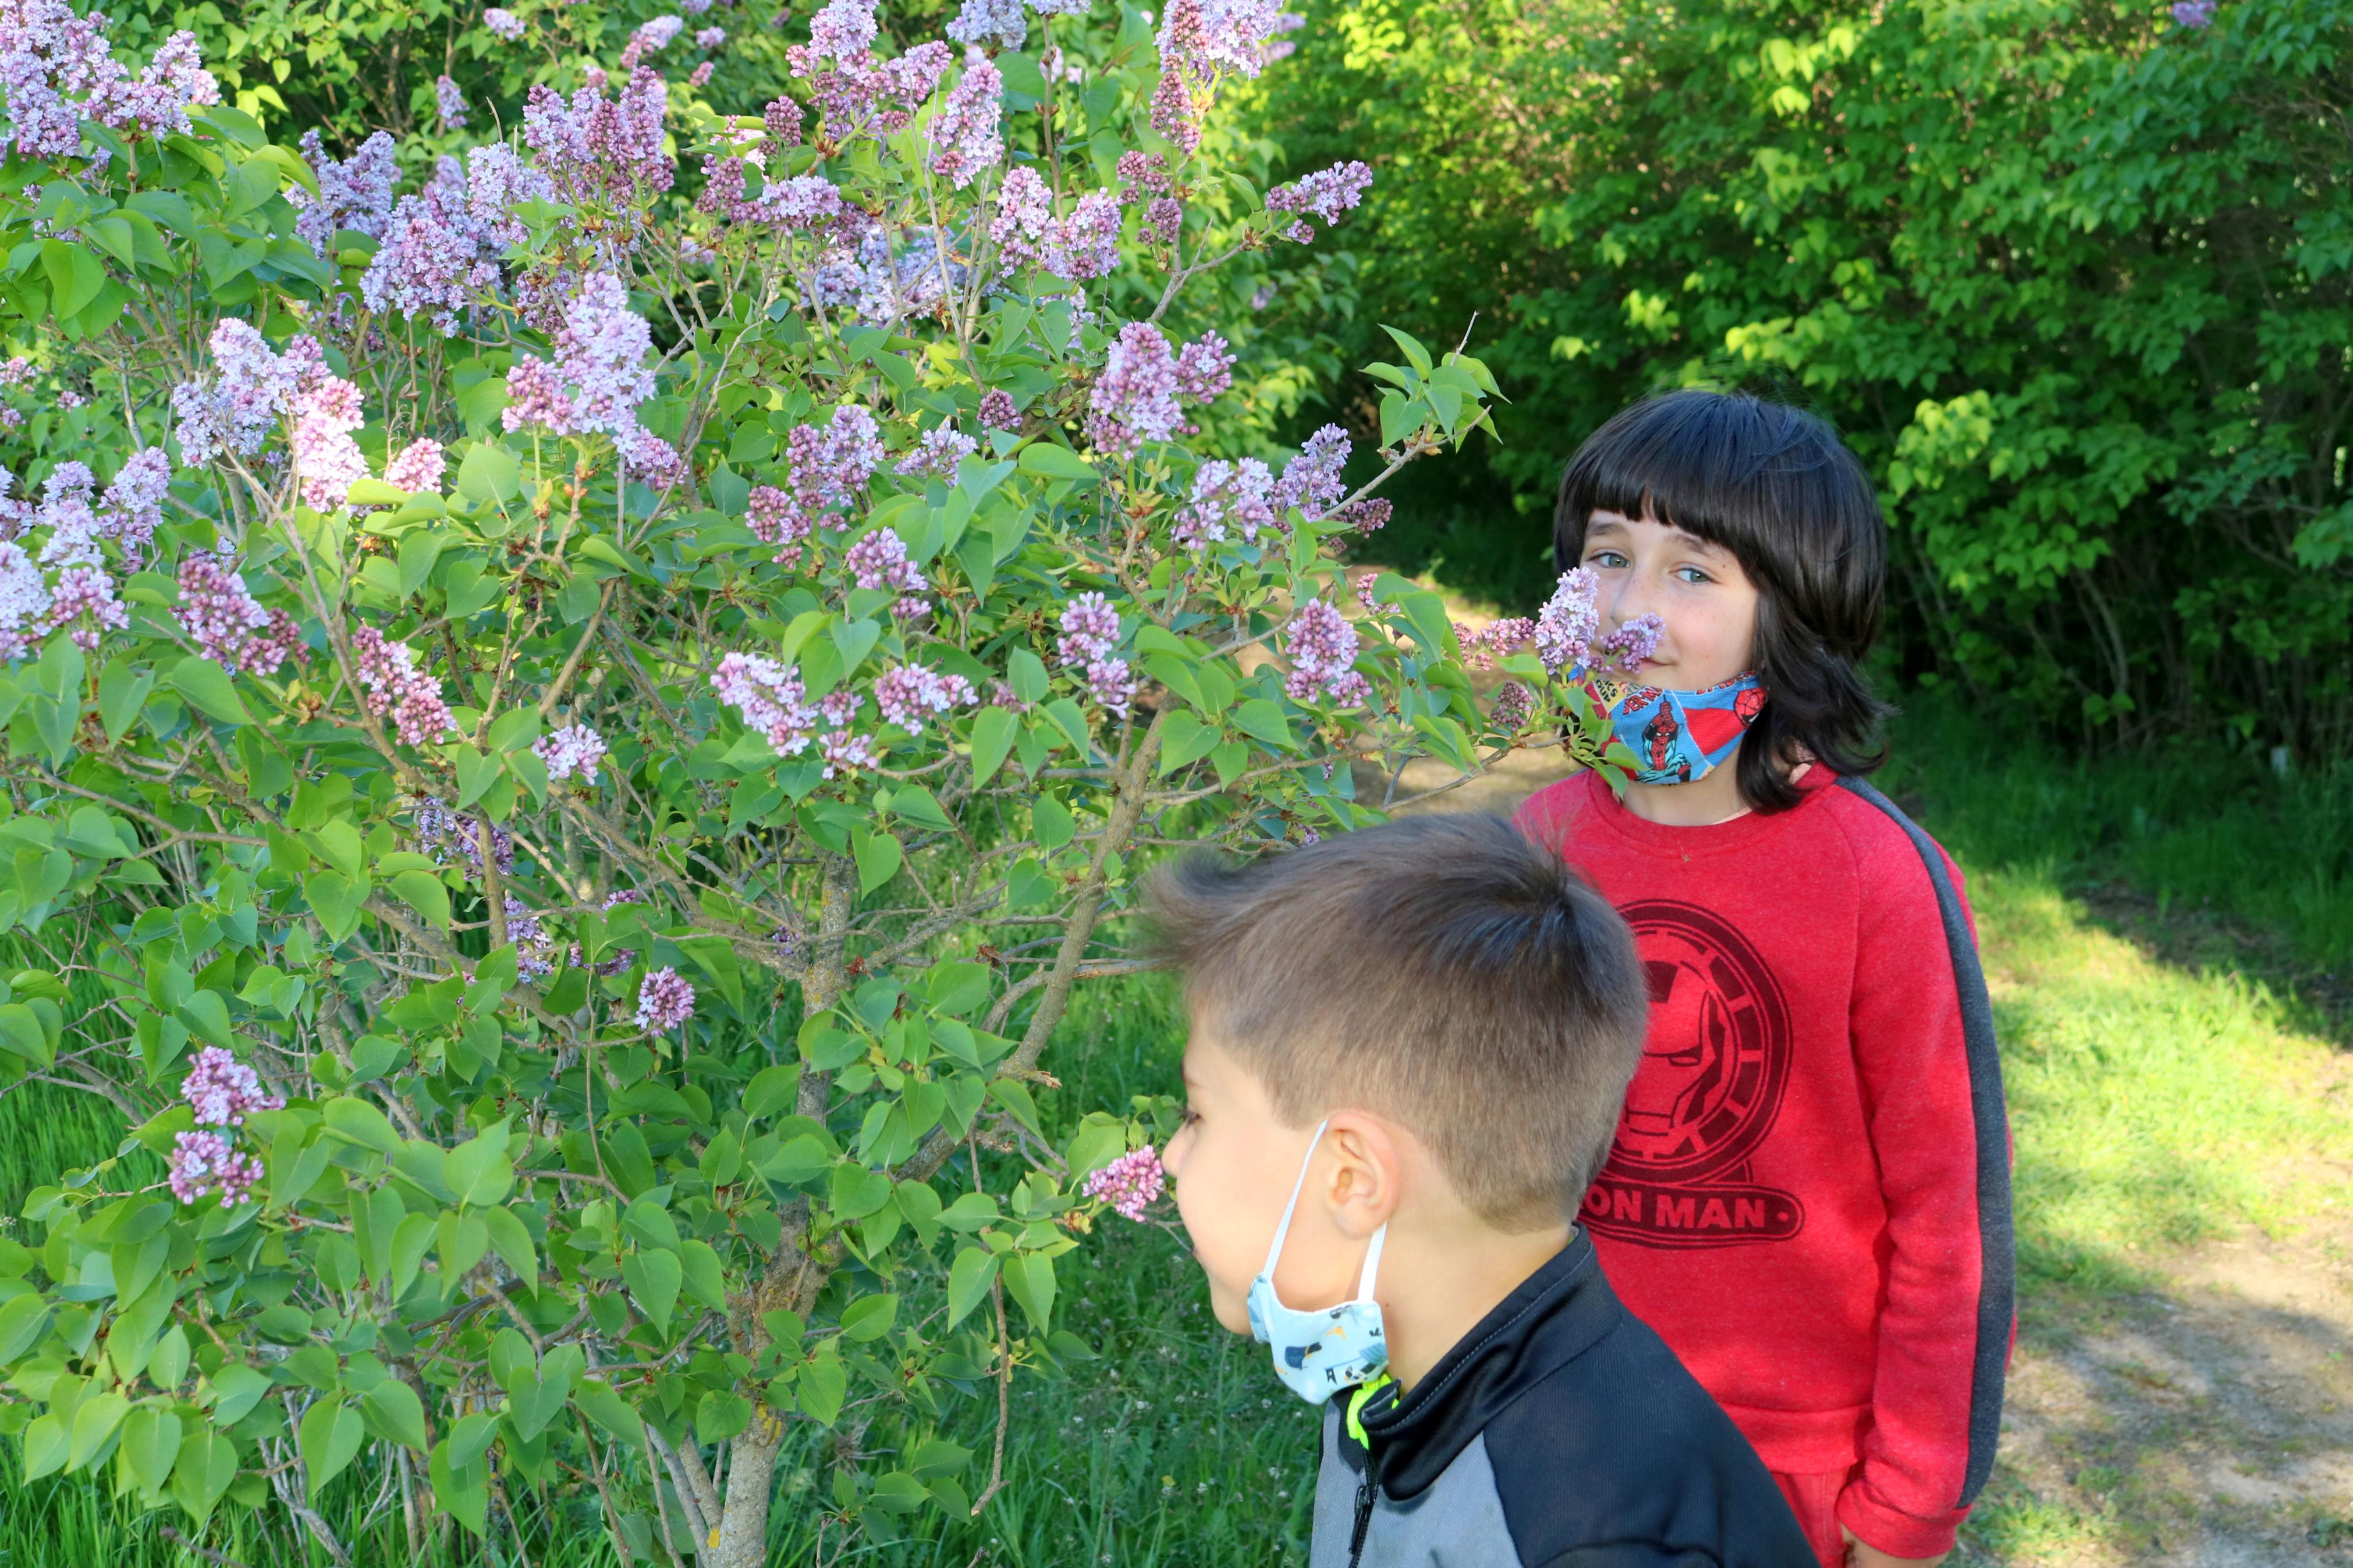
[999, 22]
[770, 699]
[503, 22]
[1326, 194]
[1083, 245]
[417, 467]
[535, 948]
[327, 460]
[228, 625]
[710, 38]
[855, 93]
[825, 466]
[355, 194]
[1139, 394]
[251, 390]
[937, 452]
[573, 751]
[964, 135]
[1483, 646]
[1245, 499]
[24, 601]
[1566, 625]
[998, 411]
[449, 104]
[224, 1091]
[1623, 649]
[1130, 1183]
[1323, 650]
[906, 693]
[2195, 15]
[46, 52]
[1514, 704]
[664, 1000]
[878, 559]
[1200, 39]
[446, 834]
[443, 246]
[651, 37]
[395, 686]
[133, 507]
[802, 202]
[597, 380]
[1089, 631]
[599, 151]
[84, 600]
[202, 1163]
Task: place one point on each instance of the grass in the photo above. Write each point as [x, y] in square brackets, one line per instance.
[2156, 1100]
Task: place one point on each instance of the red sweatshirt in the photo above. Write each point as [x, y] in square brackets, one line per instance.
[1809, 1197]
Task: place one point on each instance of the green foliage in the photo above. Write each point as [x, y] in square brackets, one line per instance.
[2072, 278]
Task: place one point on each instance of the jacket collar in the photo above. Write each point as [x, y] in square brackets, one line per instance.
[1555, 1316]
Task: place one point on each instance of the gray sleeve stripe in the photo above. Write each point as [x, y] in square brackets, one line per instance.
[1998, 1282]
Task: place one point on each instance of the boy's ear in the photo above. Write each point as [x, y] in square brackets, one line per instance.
[1366, 1173]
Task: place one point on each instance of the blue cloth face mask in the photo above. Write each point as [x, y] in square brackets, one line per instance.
[1680, 736]
[1318, 1353]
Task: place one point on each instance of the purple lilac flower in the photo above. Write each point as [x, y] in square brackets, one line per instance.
[964, 135]
[999, 22]
[651, 37]
[449, 104]
[2193, 13]
[878, 559]
[710, 38]
[1135, 397]
[1369, 515]
[84, 600]
[503, 22]
[1083, 245]
[664, 1000]
[845, 752]
[444, 834]
[782, 120]
[24, 600]
[940, 449]
[1326, 194]
[203, 1163]
[908, 692]
[1310, 481]
[1130, 1183]
[700, 75]
[395, 686]
[1369, 593]
[224, 1091]
[1322, 648]
[417, 467]
[442, 250]
[1564, 627]
[356, 193]
[133, 507]
[997, 412]
[1090, 630]
[1238, 493]
[326, 458]
[574, 749]
[770, 698]
[830, 463]
[250, 390]
[228, 625]
[650, 459]
[535, 948]
[602, 152]
[601, 352]
[1111, 683]
[776, 518]
[48, 51]
[1513, 705]
[1623, 649]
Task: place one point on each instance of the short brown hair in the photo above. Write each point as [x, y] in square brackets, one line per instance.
[1443, 971]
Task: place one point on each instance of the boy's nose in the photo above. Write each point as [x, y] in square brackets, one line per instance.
[1622, 600]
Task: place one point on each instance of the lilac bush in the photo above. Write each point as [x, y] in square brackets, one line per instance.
[576, 707]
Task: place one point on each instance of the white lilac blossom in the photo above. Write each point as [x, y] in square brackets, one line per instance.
[394, 685]
[1322, 648]
[1130, 1183]
[573, 751]
[664, 1000]
[937, 452]
[222, 1091]
[1325, 193]
[964, 134]
[356, 193]
[449, 104]
[503, 22]
[907, 693]
[1566, 625]
[204, 1163]
[417, 467]
[227, 624]
[998, 22]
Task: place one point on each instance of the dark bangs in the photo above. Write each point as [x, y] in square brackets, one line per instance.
[1774, 486]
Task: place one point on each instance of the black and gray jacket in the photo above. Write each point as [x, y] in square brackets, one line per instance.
[1561, 1433]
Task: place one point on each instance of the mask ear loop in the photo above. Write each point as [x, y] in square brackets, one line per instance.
[1274, 1252]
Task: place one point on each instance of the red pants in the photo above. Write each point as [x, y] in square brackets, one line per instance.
[1814, 1500]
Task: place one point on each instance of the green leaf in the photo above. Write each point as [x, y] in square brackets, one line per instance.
[868, 1318]
[488, 472]
[356, 1121]
[424, 892]
[24, 1319]
[653, 1278]
[822, 1387]
[393, 1410]
[478, 1171]
[969, 1277]
[237, 1389]
[201, 1477]
[151, 1446]
[721, 1415]
[1029, 1280]
[879, 856]
[207, 687]
[1415, 355]
[1056, 462]
[418, 552]
[95, 1421]
[122, 691]
[330, 1438]
[511, 1239]
[336, 899]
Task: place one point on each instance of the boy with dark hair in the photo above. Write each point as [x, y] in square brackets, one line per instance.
[1809, 1196]
[1419, 1033]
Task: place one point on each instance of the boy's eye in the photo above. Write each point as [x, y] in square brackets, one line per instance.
[1606, 558]
[1693, 574]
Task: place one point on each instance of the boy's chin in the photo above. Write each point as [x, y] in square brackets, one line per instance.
[1232, 1314]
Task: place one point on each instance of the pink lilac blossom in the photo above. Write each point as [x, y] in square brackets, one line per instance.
[84, 600]
[536, 397]
[503, 22]
[938, 452]
[1369, 597]
[417, 467]
[1326, 194]
[878, 559]
[1130, 1183]
[1090, 630]
[963, 135]
[1623, 649]
[844, 752]
[1135, 397]
[46, 52]
[573, 751]
[1483, 644]
[1369, 515]
[906, 693]
[223, 1091]
[203, 1163]
[1515, 703]
[395, 686]
[710, 38]
[650, 459]
[228, 625]
[999, 22]
[1204, 369]
[770, 698]
[449, 104]
[1081, 246]
[776, 518]
[998, 411]
[1566, 625]
[664, 1000]
[356, 193]
[24, 600]
[601, 352]
[326, 458]
[1322, 648]
[700, 75]
[828, 464]
[654, 36]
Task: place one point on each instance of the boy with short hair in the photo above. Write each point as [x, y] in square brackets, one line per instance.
[1380, 1037]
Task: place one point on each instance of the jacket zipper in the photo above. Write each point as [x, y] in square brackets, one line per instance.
[1367, 1491]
